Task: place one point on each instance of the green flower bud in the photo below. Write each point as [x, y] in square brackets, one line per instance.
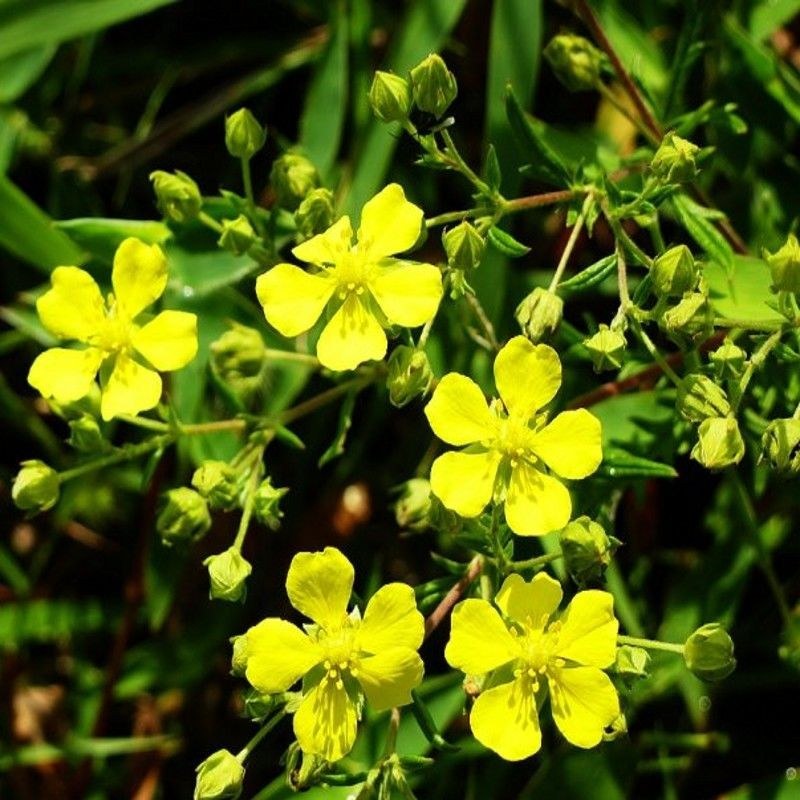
[292, 177]
[575, 61]
[632, 662]
[458, 284]
[265, 504]
[237, 235]
[784, 266]
[315, 214]
[728, 360]
[606, 347]
[690, 319]
[177, 196]
[719, 443]
[238, 359]
[708, 653]
[85, 435]
[390, 97]
[218, 482]
[587, 550]
[184, 516]
[539, 314]
[409, 375]
[433, 85]
[464, 246]
[699, 398]
[244, 134]
[36, 487]
[219, 777]
[674, 161]
[228, 572]
[240, 655]
[412, 509]
[781, 445]
[674, 272]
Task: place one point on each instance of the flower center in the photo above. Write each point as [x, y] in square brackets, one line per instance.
[115, 333]
[513, 437]
[341, 655]
[539, 646]
[352, 273]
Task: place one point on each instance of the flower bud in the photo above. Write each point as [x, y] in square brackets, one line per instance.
[409, 375]
[293, 177]
[244, 134]
[218, 482]
[539, 314]
[708, 653]
[412, 509]
[240, 655]
[433, 85]
[691, 318]
[575, 61]
[699, 398]
[587, 550]
[237, 235]
[784, 266]
[632, 662]
[674, 161]
[673, 272]
[177, 196]
[458, 284]
[238, 359]
[606, 347]
[36, 487]
[781, 445]
[315, 214]
[184, 516]
[85, 435]
[464, 246]
[265, 504]
[219, 777]
[390, 97]
[228, 572]
[719, 443]
[728, 360]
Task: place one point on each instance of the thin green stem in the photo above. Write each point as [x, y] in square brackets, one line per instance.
[756, 325]
[199, 428]
[486, 324]
[145, 422]
[755, 362]
[534, 563]
[457, 216]
[458, 162]
[654, 352]
[622, 281]
[391, 734]
[289, 355]
[209, 222]
[570, 246]
[250, 496]
[650, 644]
[322, 399]
[242, 755]
[609, 95]
[124, 454]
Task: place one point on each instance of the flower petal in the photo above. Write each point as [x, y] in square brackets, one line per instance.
[169, 341]
[391, 620]
[589, 629]
[389, 224]
[536, 503]
[139, 275]
[327, 247]
[319, 585]
[407, 292]
[73, 308]
[464, 482]
[527, 376]
[584, 702]
[529, 603]
[130, 389]
[352, 337]
[278, 655]
[479, 639]
[388, 677]
[293, 299]
[505, 720]
[325, 723]
[65, 375]
[570, 445]
[458, 412]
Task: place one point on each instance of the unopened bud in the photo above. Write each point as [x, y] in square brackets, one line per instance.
[674, 272]
[409, 375]
[575, 61]
[266, 502]
[219, 777]
[690, 319]
[184, 516]
[699, 397]
[464, 246]
[433, 85]
[36, 487]
[238, 359]
[781, 445]
[315, 214]
[244, 134]
[719, 443]
[674, 161]
[177, 195]
[587, 550]
[85, 435]
[218, 482]
[728, 360]
[708, 653]
[632, 662]
[784, 266]
[539, 314]
[228, 572]
[412, 509]
[606, 347]
[240, 655]
[390, 97]
[292, 177]
[237, 235]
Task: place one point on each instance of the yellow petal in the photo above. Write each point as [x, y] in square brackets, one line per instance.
[464, 482]
[139, 275]
[389, 224]
[292, 299]
[479, 639]
[352, 337]
[278, 655]
[505, 720]
[407, 292]
[319, 585]
[169, 341]
[65, 375]
[589, 629]
[391, 620]
[327, 247]
[130, 389]
[529, 603]
[73, 308]
[584, 702]
[325, 723]
[570, 445]
[527, 376]
[536, 503]
[458, 413]
[388, 677]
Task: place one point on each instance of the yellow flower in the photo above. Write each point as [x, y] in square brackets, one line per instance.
[565, 657]
[341, 656]
[513, 438]
[369, 290]
[74, 309]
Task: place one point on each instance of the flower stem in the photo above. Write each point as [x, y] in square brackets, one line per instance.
[755, 362]
[209, 222]
[654, 352]
[486, 324]
[570, 246]
[124, 454]
[290, 355]
[242, 755]
[322, 399]
[534, 563]
[650, 644]
[446, 604]
[257, 470]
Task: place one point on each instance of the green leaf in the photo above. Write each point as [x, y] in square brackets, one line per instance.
[20, 70]
[506, 244]
[591, 276]
[336, 447]
[745, 293]
[200, 273]
[618, 463]
[101, 237]
[769, 15]
[695, 221]
[491, 169]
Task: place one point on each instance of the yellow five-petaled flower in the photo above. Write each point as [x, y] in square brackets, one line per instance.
[527, 655]
[74, 309]
[341, 656]
[512, 440]
[366, 289]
